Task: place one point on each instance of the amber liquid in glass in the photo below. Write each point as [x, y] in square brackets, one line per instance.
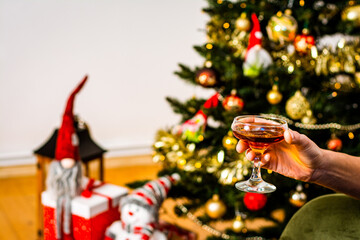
[259, 138]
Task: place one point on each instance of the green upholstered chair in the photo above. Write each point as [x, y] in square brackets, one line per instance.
[333, 216]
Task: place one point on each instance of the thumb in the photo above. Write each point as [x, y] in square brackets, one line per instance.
[289, 136]
[295, 138]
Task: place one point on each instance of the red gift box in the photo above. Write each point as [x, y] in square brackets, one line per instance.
[91, 215]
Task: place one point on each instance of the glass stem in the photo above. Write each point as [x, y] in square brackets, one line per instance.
[255, 178]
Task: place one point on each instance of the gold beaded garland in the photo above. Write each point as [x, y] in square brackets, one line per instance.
[209, 229]
[323, 126]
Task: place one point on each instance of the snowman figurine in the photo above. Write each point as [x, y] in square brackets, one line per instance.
[140, 212]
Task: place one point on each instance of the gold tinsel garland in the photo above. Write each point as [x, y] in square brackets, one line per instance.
[172, 151]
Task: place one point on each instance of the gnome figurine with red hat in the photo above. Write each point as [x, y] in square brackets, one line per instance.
[256, 57]
[64, 177]
[140, 210]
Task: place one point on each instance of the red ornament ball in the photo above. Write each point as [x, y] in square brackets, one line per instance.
[206, 77]
[304, 42]
[334, 144]
[233, 102]
[254, 201]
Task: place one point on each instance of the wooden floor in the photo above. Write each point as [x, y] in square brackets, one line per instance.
[18, 199]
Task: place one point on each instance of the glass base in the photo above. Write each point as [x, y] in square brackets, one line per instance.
[255, 186]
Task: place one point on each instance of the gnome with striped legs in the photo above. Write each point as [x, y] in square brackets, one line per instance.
[139, 211]
[64, 177]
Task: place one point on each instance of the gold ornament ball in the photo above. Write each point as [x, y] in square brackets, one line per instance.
[282, 28]
[352, 14]
[215, 208]
[274, 96]
[238, 224]
[243, 23]
[357, 78]
[297, 106]
[158, 158]
[229, 141]
[308, 118]
[298, 198]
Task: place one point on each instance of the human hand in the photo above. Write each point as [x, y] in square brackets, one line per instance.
[297, 157]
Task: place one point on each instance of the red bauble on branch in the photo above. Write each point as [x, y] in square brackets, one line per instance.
[206, 77]
[334, 144]
[233, 102]
[254, 201]
[304, 42]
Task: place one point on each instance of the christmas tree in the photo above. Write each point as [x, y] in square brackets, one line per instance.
[297, 60]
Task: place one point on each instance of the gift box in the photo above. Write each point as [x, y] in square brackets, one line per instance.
[92, 213]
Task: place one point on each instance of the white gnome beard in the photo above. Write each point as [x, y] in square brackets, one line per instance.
[62, 181]
[63, 185]
[257, 59]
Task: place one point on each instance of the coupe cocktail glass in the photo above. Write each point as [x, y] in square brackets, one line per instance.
[259, 132]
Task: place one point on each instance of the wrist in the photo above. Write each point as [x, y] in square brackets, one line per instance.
[337, 171]
[321, 167]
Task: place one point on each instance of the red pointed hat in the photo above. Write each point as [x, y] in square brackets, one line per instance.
[255, 34]
[67, 144]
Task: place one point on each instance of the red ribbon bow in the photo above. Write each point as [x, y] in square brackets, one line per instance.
[213, 101]
[88, 191]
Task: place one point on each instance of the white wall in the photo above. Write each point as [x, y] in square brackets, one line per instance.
[129, 49]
